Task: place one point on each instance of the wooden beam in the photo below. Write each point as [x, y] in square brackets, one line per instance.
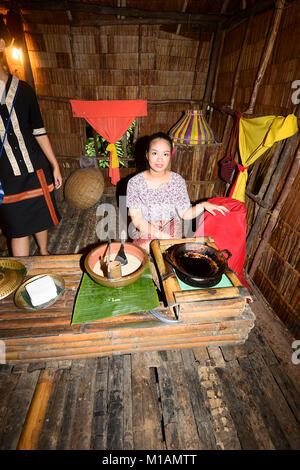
[244, 15]
[90, 8]
[184, 7]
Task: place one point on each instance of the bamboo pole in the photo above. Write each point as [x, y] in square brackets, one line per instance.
[197, 63]
[236, 82]
[36, 414]
[271, 168]
[266, 53]
[214, 59]
[212, 67]
[256, 227]
[214, 90]
[276, 212]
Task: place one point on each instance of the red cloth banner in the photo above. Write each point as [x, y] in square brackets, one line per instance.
[111, 119]
[228, 232]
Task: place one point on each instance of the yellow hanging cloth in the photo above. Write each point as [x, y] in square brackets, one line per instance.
[114, 173]
[256, 135]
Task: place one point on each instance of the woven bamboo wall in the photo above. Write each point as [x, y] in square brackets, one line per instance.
[277, 274]
[275, 92]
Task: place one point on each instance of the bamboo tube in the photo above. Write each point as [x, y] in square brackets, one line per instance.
[275, 214]
[36, 414]
[266, 53]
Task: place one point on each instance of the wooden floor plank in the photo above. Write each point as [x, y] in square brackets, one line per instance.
[280, 407]
[56, 409]
[170, 422]
[178, 419]
[115, 403]
[128, 443]
[249, 424]
[238, 411]
[99, 428]
[262, 401]
[146, 413]
[65, 440]
[223, 424]
[81, 432]
[287, 389]
[202, 414]
[8, 383]
[17, 408]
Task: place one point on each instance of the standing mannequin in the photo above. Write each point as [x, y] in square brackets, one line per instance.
[29, 171]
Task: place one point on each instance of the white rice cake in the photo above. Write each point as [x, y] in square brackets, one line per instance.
[41, 290]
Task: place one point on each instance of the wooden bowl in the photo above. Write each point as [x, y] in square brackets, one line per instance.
[100, 251]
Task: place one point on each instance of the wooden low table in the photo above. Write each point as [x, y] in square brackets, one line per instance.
[46, 334]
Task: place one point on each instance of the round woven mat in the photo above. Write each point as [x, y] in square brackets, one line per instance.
[11, 276]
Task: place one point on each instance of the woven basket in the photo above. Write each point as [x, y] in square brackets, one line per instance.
[84, 187]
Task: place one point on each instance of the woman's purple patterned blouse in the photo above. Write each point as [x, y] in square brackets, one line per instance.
[159, 203]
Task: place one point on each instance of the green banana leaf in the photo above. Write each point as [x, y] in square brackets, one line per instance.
[95, 302]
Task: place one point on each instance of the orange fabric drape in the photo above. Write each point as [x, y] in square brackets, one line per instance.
[111, 119]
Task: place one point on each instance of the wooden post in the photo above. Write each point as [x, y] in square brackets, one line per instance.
[275, 214]
[266, 53]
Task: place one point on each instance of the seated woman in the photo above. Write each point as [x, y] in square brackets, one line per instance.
[157, 198]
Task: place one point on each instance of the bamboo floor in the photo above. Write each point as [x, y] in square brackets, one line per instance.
[244, 396]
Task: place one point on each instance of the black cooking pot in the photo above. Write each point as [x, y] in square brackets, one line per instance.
[198, 264]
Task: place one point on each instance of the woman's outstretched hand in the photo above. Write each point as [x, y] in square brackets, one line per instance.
[212, 208]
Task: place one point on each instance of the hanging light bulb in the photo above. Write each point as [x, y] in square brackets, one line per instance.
[17, 54]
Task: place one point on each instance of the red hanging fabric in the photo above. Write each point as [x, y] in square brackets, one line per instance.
[228, 232]
[111, 119]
